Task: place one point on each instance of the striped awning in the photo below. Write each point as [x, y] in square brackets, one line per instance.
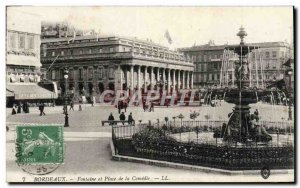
[32, 91]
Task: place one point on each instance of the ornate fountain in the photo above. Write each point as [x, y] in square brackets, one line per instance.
[241, 126]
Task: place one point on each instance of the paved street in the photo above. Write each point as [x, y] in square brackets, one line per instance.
[87, 143]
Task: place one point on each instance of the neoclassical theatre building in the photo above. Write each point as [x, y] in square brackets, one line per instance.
[99, 63]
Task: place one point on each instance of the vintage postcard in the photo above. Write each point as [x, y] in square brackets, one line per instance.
[126, 94]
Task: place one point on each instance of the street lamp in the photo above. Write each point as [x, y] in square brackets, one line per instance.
[180, 117]
[290, 72]
[66, 75]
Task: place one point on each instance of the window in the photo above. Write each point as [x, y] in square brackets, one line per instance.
[204, 58]
[53, 75]
[45, 53]
[215, 65]
[200, 58]
[22, 41]
[62, 53]
[71, 74]
[90, 73]
[80, 71]
[100, 50]
[111, 72]
[53, 53]
[13, 40]
[210, 77]
[267, 54]
[111, 49]
[218, 76]
[100, 73]
[80, 52]
[202, 67]
[30, 39]
[282, 54]
[90, 51]
[274, 54]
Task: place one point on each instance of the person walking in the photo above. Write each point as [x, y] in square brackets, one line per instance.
[122, 117]
[92, 101]
[79, 106]
[125, 105]
[71, 106]
[13, 112]
[119, 106]
[42, 109]
[151, 106]
[144, 105]
[19, 108]
[130, 119]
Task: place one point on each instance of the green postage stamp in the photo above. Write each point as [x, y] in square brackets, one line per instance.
[41, 144]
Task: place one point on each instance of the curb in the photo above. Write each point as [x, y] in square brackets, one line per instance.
[117, 157]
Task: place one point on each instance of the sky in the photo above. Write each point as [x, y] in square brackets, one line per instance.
[186, 25]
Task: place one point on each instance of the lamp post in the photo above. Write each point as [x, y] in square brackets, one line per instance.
[290, 92]
[180, 116]
[66, 75]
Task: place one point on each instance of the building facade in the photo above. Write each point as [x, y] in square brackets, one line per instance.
[23, 64]
[99, 63]
[209, 60]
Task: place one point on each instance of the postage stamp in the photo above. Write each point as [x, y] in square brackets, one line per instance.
[39, 145]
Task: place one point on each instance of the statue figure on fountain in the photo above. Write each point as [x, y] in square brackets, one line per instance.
[251, 132]
[242, 71]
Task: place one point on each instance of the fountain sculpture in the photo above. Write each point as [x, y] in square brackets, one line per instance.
[242, 126]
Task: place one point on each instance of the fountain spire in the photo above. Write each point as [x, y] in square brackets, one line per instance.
[242, 33]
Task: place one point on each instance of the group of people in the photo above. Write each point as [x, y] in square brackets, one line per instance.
[148, 106]
[122, 117]
[17, 108]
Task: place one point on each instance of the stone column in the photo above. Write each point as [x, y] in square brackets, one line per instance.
[131, 79]
[139, 78]
[183, 80]
[152, 78]
[174, 71]
[169, 80]
[192, 80]
[164, 78]
[157, 75]
[178, 80]
[145, 79]
[188, 80]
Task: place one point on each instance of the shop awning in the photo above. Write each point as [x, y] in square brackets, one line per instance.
[22, 60]
[22, 92]
[9, 93]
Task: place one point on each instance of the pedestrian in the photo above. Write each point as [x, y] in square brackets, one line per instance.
[71, 106]
[130, 119]
[144, 105]
[122, 117]
[92, 101]
[125, 105]
[65, 109]
[119, 106]
[27, 107]
[79, 106]
[256, 112]
[151, 106]
[13, 112]
[42, 109]
[111, 118]
[19, 108]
